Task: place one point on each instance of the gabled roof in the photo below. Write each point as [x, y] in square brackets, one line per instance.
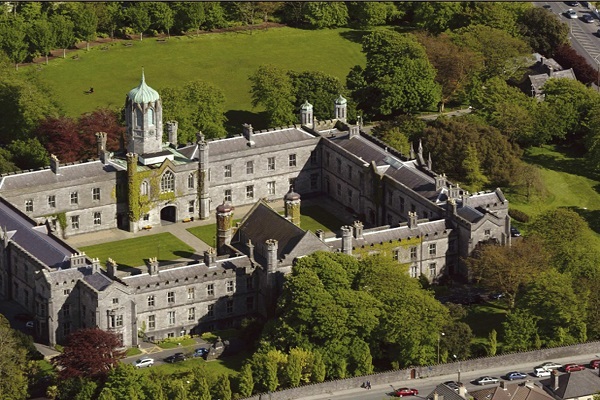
[443, 390]
[512, 391]
[262, 139]
[573, 385]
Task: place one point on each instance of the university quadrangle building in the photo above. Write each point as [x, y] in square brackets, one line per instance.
[400, 206]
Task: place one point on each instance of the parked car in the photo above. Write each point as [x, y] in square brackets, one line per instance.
[511, 376]
[177, 357]
[496, 296]
[145, 362]
[514, 232]
[571, 367]
[29, 324]
[201, 352]
[572, 3]
[453, 385]
[405, 392]
[570, 13]
[587, 18]
[485, 380]
[594, 364]
[540, 372]
[549, 365]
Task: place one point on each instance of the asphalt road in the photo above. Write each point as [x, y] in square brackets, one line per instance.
[425, 386]
[583, 36]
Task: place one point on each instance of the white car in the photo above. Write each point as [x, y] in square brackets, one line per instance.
[143, 362]
[570, 13]
[484, 380]
[549, 365]
[540, 372]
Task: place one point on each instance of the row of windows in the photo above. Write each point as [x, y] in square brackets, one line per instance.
[167, 183]
[292, 162]
[191, 313]
[97, 217]
[191, 292]
[74, 198]
[414, 271]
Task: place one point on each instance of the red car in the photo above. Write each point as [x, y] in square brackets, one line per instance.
[573, 367]
[595, 364]
[405, 392]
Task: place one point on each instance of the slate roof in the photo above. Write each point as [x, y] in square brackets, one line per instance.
[262, 223]
[67, 174]
[189, 151]
[512, 391]
[98, 281]
[443, 390]
[573, 385]
[469, 213]
[264, 139]
[34, 239]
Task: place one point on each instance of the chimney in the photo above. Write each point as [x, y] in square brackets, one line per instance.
[320, 234]
[451, 207]
[111, 268]
[101, 146]
[249, 134]
[462, 390]
[95, 265]
[172, 132]
[354, 131]
[250, 249]
[152, 266]
[436, 396]
[503, 385]
[210, 257]
[346, 239]
[412, 220]
[272, 261]
[358, 230]
[465, 198]
[54, 164]
[199, 137]
[555, 379]
[440, 181]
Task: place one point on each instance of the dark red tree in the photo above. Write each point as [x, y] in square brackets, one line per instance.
[89, 353]
[60, 137]
[568, 58]
[100, 120]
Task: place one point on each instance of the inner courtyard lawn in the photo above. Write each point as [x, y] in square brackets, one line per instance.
[134, 252]
[223, 59]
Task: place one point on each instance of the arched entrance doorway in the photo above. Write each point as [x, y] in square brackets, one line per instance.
[168, 214]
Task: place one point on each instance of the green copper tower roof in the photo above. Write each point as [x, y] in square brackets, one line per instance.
[306, 106]
[340, 100]
[143, 93]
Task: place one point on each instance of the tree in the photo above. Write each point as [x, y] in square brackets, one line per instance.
[222, 388]
[507, 269]
[272, 89]
[398, 77]
[194, 12]
[12, 38]
[520, 329]
[246, 380]
[569, 58]
[99, 120]
[367, 14]
[28, 154]
[492, 343]
[437, 17]
[13, 384]
[162, 16]
[124, 383]
[543, 31]
[42, 37]
[455, 65]
[497, 15]
[138, 17]
[317, 88]
[89, 352]
[528, 182]
[326, 14]
[474, 179]
[63, 29]
[197, 105]
[86, 23]
[215, 15]
[60, 136]
[110, 16]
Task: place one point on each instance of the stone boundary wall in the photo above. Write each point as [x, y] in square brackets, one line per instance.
[474, 364]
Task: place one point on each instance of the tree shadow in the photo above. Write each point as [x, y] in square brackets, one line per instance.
[355, 36]
[592, 217]
[237, 118]
[568, 160]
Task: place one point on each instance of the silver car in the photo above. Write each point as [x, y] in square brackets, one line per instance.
[144, 362]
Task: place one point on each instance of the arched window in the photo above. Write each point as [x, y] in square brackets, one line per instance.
[139, 118]
[191, 180]
[167, 182]
[150, 116]
[144, 188]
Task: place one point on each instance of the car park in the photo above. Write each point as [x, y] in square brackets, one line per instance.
[571, 367]
[511, 376]
[550, 365]
[570, 13]
[201, 352]
[405, 392]
[177, 357]
[144, 362]
[587, 18]
[594, 364]
[486, 380]
[542, 372]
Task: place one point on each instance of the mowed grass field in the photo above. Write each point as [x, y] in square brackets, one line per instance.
[223, 59]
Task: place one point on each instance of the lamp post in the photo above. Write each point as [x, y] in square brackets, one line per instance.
[438, 347]
[456, 359]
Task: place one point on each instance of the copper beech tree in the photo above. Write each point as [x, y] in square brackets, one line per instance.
[89, 353]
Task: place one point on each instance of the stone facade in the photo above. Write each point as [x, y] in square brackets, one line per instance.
[401, 208]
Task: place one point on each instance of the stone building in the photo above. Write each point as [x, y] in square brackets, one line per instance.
[400, 206]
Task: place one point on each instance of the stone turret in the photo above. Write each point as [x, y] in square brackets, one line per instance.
[412, 220]
[111, 268]
[292, 206]
[306, 114]
[248, 132]
[341, 106]
[347, 239]
[210, 257]
[172, 127]
[272, 261]
[54, 164]
[203, 184]
[101, 146]
[224, 229]
[152, 265]
[358, 229]
[143, 119]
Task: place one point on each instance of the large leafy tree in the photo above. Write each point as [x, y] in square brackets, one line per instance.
[520, 330]
[162, 15]
[13, 384]
[63, 31]
[507, 269]
[317, 88]
[367, 14]
[272, 89]
[89, 352]
[138, 16]
[13, 31]
[543, 31]
[326, 14]
[42, 37]
[398, 77]
[99, 120]
[197, 105]
[438, 16]
[86, 23]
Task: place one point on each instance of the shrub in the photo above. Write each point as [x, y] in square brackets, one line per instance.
[518, 215]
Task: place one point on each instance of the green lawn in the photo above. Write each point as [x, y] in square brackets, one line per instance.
[482, 318]
[229, 365]
[311, 218]
[223, 59]
[133, 252]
